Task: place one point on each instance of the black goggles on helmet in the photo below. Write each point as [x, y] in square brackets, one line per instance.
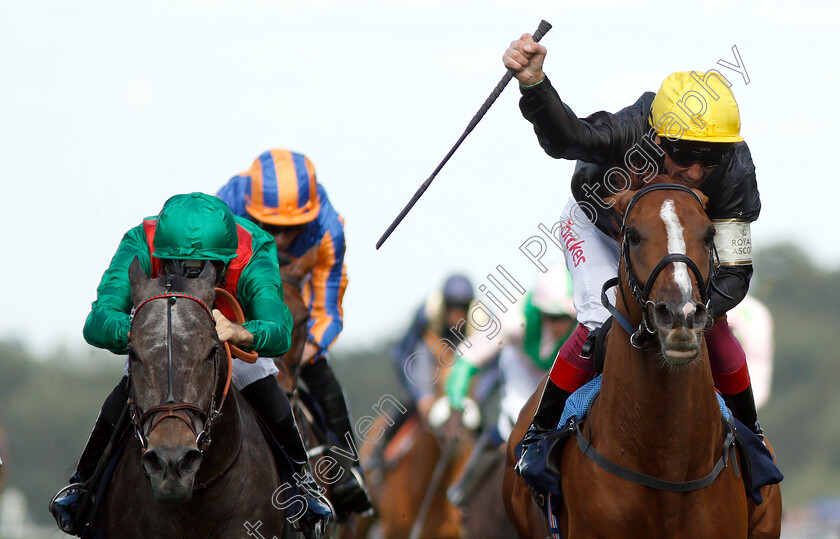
[687, 152]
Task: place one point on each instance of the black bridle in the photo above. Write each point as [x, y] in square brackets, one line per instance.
[171, 407]
[640, 336]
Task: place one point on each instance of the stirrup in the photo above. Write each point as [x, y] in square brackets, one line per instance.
[320, 528]
[75, 526]
[68, 488]
[351, 495]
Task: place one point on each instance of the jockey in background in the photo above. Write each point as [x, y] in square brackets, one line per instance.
[414, 354]
[190, 231]
[529, 339]
[280, 193]
[752, 324]
[689, 130]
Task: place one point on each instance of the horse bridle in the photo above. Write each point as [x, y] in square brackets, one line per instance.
[641, 335]
[170, 407]
[645, 331]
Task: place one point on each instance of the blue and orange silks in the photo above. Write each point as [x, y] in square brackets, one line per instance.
[324, 291]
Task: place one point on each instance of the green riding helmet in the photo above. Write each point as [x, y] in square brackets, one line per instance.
[196, 226]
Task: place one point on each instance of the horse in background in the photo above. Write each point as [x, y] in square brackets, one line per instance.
[410, 471]
[199, 465]
[657, 413]
[313, 431]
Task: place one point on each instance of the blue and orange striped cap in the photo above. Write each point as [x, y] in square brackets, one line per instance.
[282, 189]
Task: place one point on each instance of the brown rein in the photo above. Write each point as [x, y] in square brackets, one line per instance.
[248, 357]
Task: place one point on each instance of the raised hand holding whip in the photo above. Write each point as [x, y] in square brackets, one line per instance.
[541, 31]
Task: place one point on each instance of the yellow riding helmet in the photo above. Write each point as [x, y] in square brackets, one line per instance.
[282, 189]
[696, 106]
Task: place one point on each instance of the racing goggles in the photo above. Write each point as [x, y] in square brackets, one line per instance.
[685, 153]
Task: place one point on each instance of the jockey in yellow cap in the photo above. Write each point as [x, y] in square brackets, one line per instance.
[689, 130]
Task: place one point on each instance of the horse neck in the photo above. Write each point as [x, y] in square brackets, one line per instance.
[655, 407]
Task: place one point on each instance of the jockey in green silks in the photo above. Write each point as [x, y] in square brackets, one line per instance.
[529, 340]
[190, 231]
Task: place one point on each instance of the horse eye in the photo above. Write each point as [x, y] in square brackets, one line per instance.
[632, 237]
[709, 240]
[213, 352]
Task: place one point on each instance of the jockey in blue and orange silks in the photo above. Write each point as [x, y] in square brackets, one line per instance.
[280, 193]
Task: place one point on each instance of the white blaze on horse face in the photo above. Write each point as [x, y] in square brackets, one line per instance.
[676, 244]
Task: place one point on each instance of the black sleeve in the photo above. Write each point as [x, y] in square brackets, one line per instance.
[734, 281]
[733, 192]
[599, 138]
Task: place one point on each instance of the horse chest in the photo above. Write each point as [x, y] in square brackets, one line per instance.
[599, 504]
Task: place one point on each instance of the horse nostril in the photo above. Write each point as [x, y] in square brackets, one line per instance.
[152, 462]
[662, 315]
[190, 462]
[700, 316]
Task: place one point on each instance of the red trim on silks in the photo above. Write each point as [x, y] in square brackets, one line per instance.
[734, 382]
[727, 359]
[570, 371]
[725, 352]
[244, 251]
[149, 226]
[230, 282]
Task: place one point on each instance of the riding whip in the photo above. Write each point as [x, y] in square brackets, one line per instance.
[541, 31]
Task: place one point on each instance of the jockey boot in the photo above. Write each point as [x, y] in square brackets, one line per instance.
[65, 504]
[349, 493]
[273, 406]
[742, 406]
[484, 456]
[546, 418]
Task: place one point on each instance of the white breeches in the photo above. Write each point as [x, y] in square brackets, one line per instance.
[592, 258]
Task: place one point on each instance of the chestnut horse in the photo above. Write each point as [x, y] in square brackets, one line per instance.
[199, 465]
[409, 494]
[657, 414]
[408, 487]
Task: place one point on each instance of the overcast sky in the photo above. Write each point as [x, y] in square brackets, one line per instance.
[107, 108]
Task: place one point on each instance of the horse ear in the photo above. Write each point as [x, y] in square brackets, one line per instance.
[205, 283]
[137, 277]
[620, 201]
[303, 265]
[208, 273]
